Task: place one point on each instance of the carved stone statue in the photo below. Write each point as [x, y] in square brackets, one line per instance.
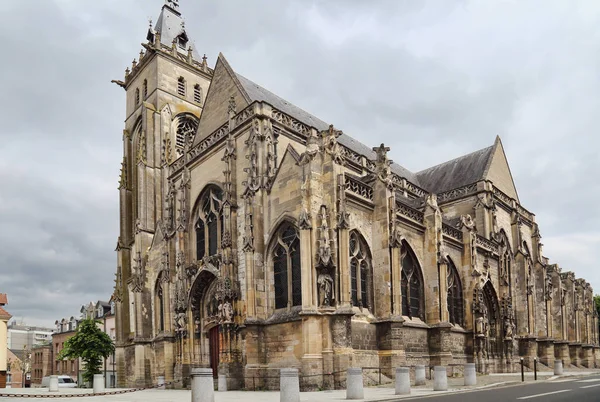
[227, 312]
[508, 328]
[325, 283]
[479, 327]
[181, 324]
[467, 222]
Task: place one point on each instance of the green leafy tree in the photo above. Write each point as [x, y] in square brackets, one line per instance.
[91, 345]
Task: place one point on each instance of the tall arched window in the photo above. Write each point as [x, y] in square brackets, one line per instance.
[137, 96]
[145, 89]
[286, 267]
[187, 125]
[181, 86]
[208, 229]
[455, 296]
[413, 303]
[361, 273]
[197, 93]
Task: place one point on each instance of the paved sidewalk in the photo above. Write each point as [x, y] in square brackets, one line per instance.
[372, 394]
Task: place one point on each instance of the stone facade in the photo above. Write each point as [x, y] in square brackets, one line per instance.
[254, 236]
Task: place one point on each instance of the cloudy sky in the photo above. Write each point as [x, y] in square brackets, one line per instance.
[431, 79]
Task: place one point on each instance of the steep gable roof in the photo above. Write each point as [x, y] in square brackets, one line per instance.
[259, 94]
[457, 172]
[498, 171]
[223, 86]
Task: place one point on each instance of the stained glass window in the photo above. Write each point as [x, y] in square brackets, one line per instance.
[287, 268]
[360, 271]
[208, 230]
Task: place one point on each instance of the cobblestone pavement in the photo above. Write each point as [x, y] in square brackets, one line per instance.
[380, 393]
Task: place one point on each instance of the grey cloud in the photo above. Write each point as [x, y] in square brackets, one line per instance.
[432, 81]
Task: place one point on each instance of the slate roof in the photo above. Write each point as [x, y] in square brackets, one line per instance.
[258, 93]
[169, 24]
[457, 172]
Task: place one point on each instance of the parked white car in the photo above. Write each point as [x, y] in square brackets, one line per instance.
[64, 381]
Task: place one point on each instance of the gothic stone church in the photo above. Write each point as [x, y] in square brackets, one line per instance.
[255, 236]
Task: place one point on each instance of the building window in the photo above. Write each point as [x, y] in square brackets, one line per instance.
[455, 296]
[209, 225]
[181, 86]
[360, 271]
[286, 268]
[413, 304]
[197, 93]
[186, 129]
[137, 96]
[145, 89]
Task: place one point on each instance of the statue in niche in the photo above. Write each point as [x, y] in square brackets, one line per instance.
[227, 312]
[325, 282]
[508, 328]
[479, 326]
[181, 324]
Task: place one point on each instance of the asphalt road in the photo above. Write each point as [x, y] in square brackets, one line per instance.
[582, 389]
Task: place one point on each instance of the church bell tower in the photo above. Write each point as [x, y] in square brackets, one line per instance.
[165, 87]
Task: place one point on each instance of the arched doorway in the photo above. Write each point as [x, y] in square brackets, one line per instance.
[204, 308]
[214, 307]
[488, 334]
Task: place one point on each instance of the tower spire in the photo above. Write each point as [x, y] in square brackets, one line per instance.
[174, 4]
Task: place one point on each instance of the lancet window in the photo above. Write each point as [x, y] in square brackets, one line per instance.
[286, 267]
[455, 296]
[181, 86]
[361, 272]
[137, 96]
[413, 303]
[197, 93]
[209, 225]
[145, 89]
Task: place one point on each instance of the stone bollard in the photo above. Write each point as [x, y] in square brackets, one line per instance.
[402, 381]
[419, 375]
[161, 382]
[98, 384]
[470, 375]
[440, 378]
[53, 385]
[558, 367]
[203, 386]
[289, 385]
[354, 383]
[222, 383]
